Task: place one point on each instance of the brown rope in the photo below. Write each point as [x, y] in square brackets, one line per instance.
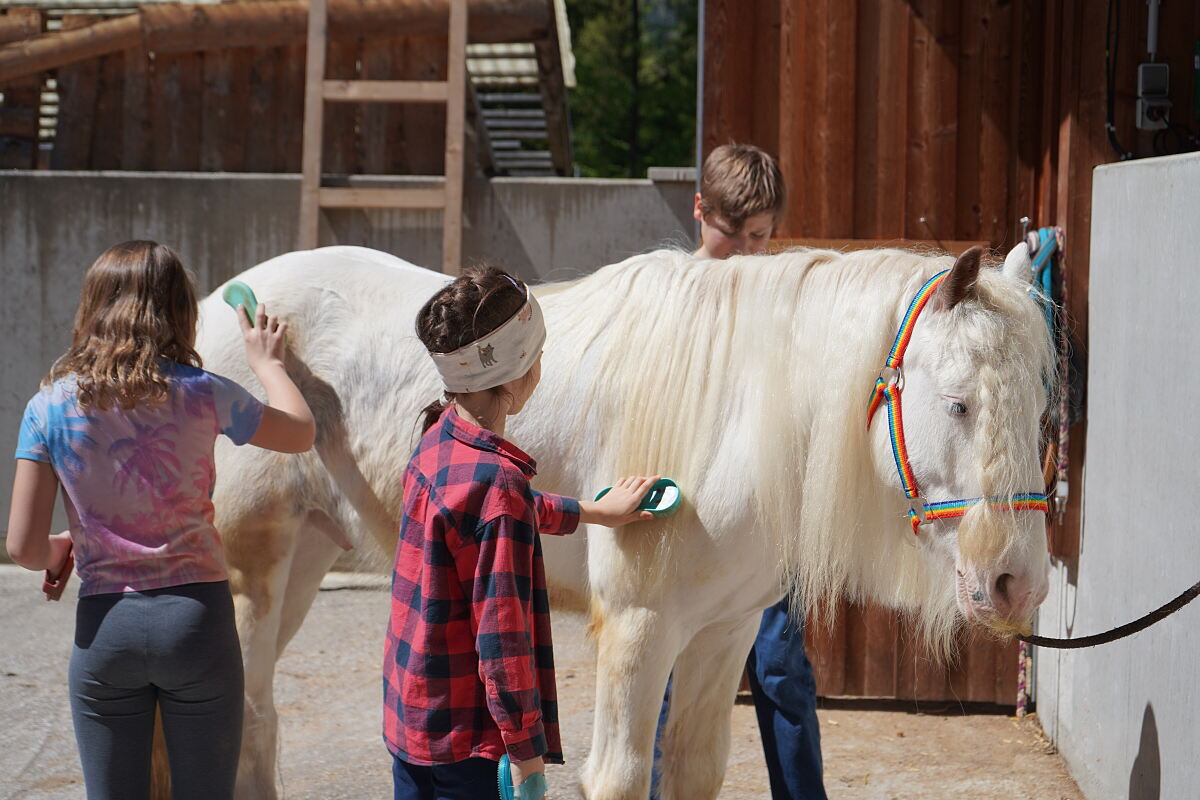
[1128, 629]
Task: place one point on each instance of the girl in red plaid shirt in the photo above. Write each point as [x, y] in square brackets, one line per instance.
[469, 667]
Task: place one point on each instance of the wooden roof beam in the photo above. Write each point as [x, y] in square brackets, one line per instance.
[178, 28]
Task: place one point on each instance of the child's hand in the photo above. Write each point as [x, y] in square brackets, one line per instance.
[620, 505]
[520, 770]
[265, 341]
[57, 575]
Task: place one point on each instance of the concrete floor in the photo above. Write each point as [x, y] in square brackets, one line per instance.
[328, 696]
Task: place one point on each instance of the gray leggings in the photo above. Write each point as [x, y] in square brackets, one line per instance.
[175, 649]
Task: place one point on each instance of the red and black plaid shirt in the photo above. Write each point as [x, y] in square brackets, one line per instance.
[469, 667]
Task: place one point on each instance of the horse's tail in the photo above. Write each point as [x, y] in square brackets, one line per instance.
[160, 769]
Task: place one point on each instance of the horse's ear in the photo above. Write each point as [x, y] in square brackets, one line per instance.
[1017, 263]
[960, 283]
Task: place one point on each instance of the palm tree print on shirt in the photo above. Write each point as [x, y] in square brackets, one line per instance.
[69, 428]
[148, 459]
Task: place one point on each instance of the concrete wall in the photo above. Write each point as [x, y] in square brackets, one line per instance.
[54, 224]
[1126, 716]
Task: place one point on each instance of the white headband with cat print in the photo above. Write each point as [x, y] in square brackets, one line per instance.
[501, 356]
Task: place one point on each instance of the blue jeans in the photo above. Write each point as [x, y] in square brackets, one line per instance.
[785, 701]
[472, 779]
[174, 649]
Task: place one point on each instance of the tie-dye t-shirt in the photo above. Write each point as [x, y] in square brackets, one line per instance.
[139, 482]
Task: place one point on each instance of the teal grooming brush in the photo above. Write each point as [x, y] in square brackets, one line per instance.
[662, 500]
[533, 788]
[239, 294]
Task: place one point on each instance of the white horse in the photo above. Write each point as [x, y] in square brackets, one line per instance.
[747, 382]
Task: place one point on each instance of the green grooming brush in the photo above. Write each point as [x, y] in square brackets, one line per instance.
[662, 500]
[239, 294]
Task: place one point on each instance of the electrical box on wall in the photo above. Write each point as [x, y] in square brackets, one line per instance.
[1153, 107]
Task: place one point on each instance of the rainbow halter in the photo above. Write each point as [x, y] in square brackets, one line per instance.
[887, 390]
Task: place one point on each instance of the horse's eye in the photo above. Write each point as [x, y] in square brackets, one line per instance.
[958, 409]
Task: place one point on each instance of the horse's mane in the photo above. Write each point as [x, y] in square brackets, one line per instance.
[756, 370]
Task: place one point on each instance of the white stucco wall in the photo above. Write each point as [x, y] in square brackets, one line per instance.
[1126, 716]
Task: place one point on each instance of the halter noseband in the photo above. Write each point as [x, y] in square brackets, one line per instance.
[887, 390]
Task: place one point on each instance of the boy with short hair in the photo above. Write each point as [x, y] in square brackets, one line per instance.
[741, 200]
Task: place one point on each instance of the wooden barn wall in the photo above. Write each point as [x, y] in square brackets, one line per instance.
[242, 109]
[935, 120]
[19, 108]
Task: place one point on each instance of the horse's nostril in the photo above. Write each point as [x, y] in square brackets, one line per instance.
[1002, 588]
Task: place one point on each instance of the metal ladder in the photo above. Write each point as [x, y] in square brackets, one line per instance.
[451, 92]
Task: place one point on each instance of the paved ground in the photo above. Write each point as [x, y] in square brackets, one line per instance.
[328, 698]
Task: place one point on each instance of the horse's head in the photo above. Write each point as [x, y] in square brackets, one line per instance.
[973, 383]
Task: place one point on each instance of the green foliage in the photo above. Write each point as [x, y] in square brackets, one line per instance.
[635, 101]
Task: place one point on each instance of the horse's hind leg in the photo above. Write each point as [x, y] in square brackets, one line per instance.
[635, 652]
[260, 553]
[695, 744]
[315, 552]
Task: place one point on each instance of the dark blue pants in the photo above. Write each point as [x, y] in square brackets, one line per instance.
[785, 701]
[473, 779]
[175, 649]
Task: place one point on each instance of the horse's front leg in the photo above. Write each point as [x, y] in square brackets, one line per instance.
[635, 650]
[695, 745]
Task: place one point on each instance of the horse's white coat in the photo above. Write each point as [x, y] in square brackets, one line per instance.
[746, 381]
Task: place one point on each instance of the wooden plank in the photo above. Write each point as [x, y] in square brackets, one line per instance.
[19, 108]
[422, 150]
[76, 106]
[379, 124]
[729, 61]
[314, 74]
[1026, 105]
[358, 197]
[479, 150]
[808, 117]
[17, 122]
[456, 77]
[260, 144]
[835, 133]
[764, 128]
[857, 651]
[554, 103]
[342, 153]
[175, 103]
[1004, 691]
[867, 112]
[996, 191]
[826, 647]
[189, 28]
[933, 99]
[881, 119]
[289, 110]
[975, 679]
[380, 91]
[109, 123]
[17, 24]
[881, 627]
[968, 188]
[225, 110]
[930, 677]
[953, 246]
[1052, 31]
[135, 141]
[1085, 151]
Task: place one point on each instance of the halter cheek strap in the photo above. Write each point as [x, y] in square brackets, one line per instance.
[888, 387]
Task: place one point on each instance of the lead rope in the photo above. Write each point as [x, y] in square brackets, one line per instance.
[1120, 632]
